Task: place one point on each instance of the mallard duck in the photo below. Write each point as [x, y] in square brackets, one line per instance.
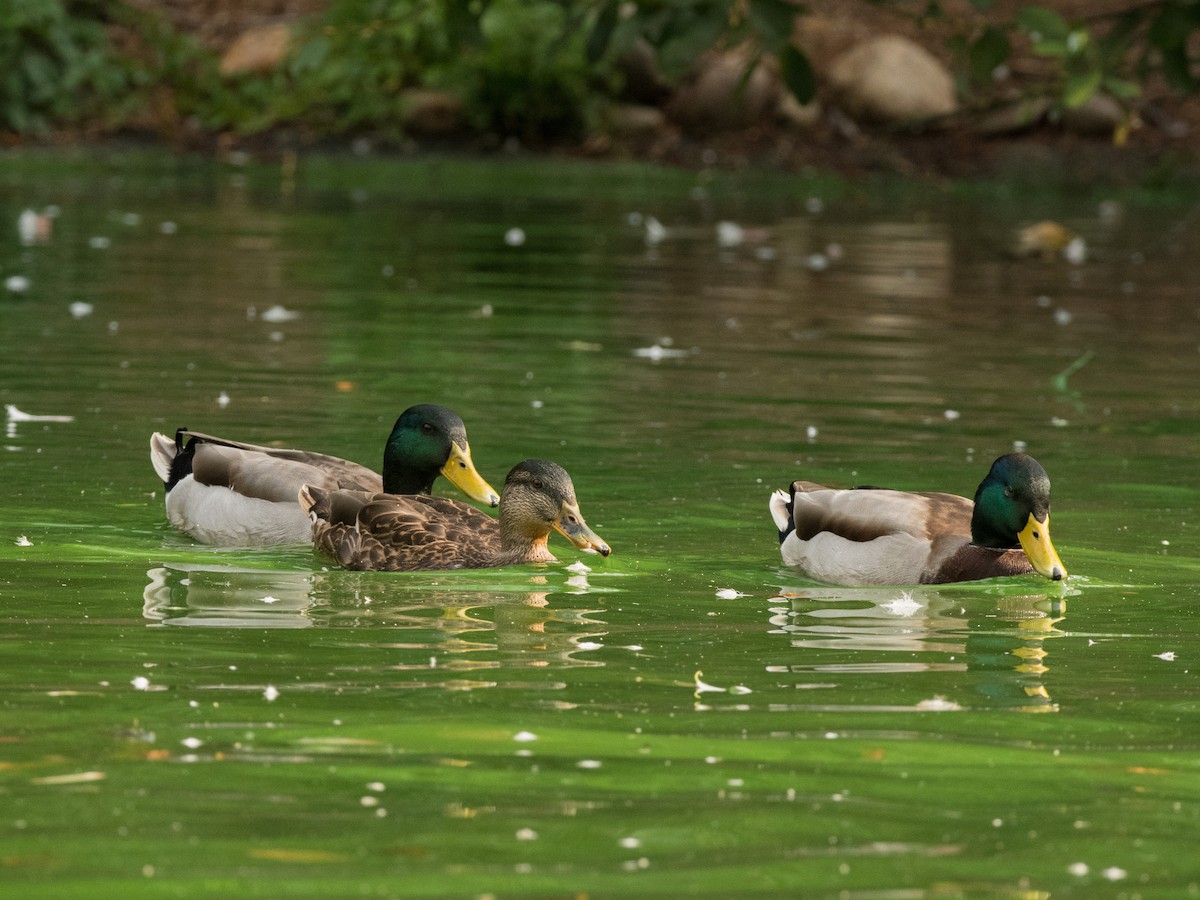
[878, 536]
[234, 494]
[384, 532]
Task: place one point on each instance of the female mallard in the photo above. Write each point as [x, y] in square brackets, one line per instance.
[383, 532]
[234, 494]
[880, 536]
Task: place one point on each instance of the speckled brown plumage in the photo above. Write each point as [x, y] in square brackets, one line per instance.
[380, 532]
[390, 533]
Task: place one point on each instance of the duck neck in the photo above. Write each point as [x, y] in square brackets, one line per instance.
[519, 544]
[401, 476]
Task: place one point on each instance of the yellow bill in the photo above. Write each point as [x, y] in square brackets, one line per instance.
[464, 476]
[1035, 541]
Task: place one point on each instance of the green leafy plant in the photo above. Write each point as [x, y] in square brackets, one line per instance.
[58, 65]
[681, 30]
[351, 68]
[529, 76]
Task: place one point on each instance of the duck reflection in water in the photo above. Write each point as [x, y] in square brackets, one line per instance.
[1001, 643]
[453, 629]
[227, 597]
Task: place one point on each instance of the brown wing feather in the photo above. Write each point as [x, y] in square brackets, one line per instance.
[392, 533]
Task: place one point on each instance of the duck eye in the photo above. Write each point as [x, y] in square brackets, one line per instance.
[1008, 491]
[537, 483]
[427, 428]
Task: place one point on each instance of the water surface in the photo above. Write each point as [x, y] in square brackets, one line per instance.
[183, 721]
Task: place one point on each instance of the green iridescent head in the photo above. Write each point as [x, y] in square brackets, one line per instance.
[426, 441]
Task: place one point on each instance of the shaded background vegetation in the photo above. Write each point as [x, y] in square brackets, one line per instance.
[541, 71]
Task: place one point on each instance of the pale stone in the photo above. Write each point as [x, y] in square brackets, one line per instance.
[257, 50]
[892, 79]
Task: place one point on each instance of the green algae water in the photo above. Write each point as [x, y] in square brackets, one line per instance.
[686, 717]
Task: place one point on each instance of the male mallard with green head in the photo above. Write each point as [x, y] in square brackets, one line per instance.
[235, 494]
[878, 536]
[386, 533]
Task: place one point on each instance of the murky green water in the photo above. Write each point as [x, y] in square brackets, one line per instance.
[182, 721]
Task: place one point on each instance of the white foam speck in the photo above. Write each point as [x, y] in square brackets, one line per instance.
[729, 594]
[1169, 655]
[276, 314]
[271, 693]
[904, 605]
[525, 736]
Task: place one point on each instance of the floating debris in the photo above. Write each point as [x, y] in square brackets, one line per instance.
[140, 683]
[730, 594]
[15, 415]
[276, 314]
[938, 704]
[515, 237]
[524, 737]
[17, 284]
[702, 687]
[1169, 656]
[23, 541]
[904, 605]
[268, 599]
[80, 310]
[73, 778]
[167, 227]
[222, 400]
[99, 242]
[1044, 239]
[656, 232]
[35, 227]
[484, 312]
[27, 226]
[579, 568]
[270, 693]
[730, 234]
[1076, 251]
[952, 415]
[816, 262]
[655, 352]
